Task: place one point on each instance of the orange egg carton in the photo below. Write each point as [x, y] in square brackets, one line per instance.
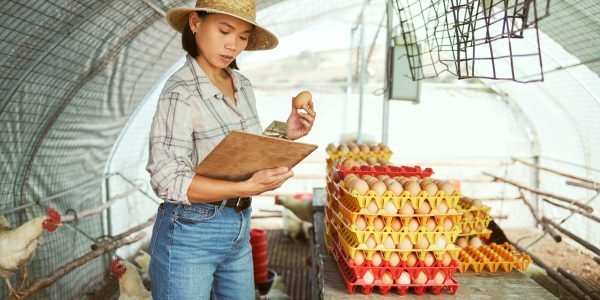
[351, 246]
[350, 215]
[354, 199]
[397, 236]
[493, 257]
[352, 281]
[391, 171]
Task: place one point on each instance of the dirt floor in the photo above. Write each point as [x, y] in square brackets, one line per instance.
[566, 254]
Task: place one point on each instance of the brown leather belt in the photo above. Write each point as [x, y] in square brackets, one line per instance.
[239, 203]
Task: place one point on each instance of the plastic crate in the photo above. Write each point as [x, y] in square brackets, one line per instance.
[391, 171]
[493, 257]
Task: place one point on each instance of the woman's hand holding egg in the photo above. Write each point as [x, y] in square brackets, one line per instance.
[299, 124]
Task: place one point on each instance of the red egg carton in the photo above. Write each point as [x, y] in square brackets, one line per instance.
[352, 281]
[391, 171]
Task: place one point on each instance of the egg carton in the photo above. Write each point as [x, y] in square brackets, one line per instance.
[485, 234]
[395, 271]
[352, 246]
[350, 214]
[493, 257]
[354, 199]
[380, 236]
[386, 155]
[353, 282]
[391, 171]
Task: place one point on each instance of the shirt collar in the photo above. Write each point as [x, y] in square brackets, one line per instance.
[207, 88]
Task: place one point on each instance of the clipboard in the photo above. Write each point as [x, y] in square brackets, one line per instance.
[241, 154]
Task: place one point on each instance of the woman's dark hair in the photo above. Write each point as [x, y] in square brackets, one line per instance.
[189, 42]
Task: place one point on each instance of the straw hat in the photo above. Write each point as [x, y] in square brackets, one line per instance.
[260, 39]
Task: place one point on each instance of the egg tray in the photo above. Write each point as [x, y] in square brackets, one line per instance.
[395, 271]
[352, 282]
[386, 155]
[349, 214]
[351, 247]
[474, 222]
[485, 234]
[493, 257]
[391, 171]
[355, 200]
[380, 236]
[479, 212]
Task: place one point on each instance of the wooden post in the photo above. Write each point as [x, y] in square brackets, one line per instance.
[557, 197]
[593, 187]
[597, 259]
[555, 236]
[124, 234]
[573, 236]
[581, 212]
[582, 286]
[553, 171]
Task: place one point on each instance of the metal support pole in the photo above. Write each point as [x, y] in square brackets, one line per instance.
[386, 95]
[362, 75]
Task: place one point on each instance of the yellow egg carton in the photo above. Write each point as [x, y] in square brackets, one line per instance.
[351, 246]
[414, 237]
[382, 154]
[493, 257]
[349, 212]
[357, 201]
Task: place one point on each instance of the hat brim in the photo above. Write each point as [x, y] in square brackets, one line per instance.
[260, 38]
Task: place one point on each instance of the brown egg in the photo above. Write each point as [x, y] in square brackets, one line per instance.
[479, 227]
[396, 224]
[466, 229]
[412, 187]
[390, 208]
[446, 187]
[378, 223]
[405, 244]
[368, 278]
[468, 216]
[448, 224]
[386, 278]
[411, 260]
[413, 225]
[378, 187]
[361, 224]
[404, 278]
[364, 148]
[360, 186]
[407, 209]
[446, 260]
[420, 279]
[394, 259]
[383, 177]
[462, 242]
[302, 99]
[342, 148]
[439, 277]
[377, 259]
[395, 187]
[371, 243]
[423, 243]
[359, 258]
[425, 208]
[372, 207]
[331, 147]
[353, 148]
[348, 163]
[475, 242]
[443, 207]
[402, 180]
[388, 243]
[430, 224]
[429, 259]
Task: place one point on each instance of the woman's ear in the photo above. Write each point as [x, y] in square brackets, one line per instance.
[194, 21]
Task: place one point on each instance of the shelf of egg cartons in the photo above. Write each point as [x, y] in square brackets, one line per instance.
[390, 170]
[384, 154]
[386, 277]
[493, 257]
[476, 218]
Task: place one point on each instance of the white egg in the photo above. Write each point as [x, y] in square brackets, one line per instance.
[439, 277]
[361, 224]
[475, 242]
[372, 207]
[390, 208]
[394, 259]
[420, 279]
[386, 278]
[376, 260]
[389, 243]
[405, 244]
[429, 259]
[368, 278]
[441, 242]
[371, 244]
[359, 258]
[404, 278]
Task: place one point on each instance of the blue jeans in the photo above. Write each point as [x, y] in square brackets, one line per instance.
[199, 247]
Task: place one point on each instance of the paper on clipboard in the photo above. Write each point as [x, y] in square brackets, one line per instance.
[241, 154]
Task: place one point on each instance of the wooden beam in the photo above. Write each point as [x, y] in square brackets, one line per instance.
[585, 185]
[597, 259]
[555, 236]
[581, 212]
[582, 286]
[555, 171]
[124, 234]
[572, 236]
[535, 191]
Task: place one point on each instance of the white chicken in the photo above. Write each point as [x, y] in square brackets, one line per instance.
[131, 286]
[143, 260]
[297, 216]
[17, 246]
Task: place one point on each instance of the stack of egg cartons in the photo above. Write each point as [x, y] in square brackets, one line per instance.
[474, 224]
[390, 228]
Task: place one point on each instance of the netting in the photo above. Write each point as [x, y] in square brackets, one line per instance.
[472, 38]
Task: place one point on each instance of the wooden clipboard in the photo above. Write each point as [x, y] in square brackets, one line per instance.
[241, 154]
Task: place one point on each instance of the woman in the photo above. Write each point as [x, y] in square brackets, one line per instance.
[200, 240]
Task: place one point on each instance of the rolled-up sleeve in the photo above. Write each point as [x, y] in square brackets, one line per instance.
[171, 146]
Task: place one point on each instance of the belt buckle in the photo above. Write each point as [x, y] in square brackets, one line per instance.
[239, 206]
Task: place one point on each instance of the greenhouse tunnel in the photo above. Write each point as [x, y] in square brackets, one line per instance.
[80, 82]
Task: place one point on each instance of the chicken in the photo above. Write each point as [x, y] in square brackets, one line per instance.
[131, 286]
[143, 260]
[277, 290]
[293, 226]
[301, 208]
[17, 246]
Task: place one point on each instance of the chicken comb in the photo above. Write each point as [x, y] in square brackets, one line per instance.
[115, 262]
[52, 213]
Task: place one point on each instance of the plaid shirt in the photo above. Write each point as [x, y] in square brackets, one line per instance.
[192, 117]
